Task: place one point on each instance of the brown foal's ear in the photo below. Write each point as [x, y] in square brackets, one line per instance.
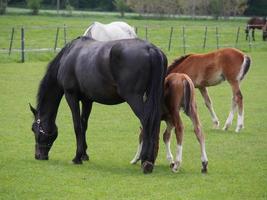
[34, 111]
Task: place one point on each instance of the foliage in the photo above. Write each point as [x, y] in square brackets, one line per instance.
[34, 5]
[69, 8]
[256, 7]
[121, 6]
[216, 8]
[3, 5]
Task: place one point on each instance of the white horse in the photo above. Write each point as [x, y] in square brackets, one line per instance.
[111, 31]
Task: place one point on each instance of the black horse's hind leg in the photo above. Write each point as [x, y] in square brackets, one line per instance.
[73, 103]
[150, 142]
[86, 110]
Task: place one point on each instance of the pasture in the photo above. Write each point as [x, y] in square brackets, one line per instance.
[237, 161]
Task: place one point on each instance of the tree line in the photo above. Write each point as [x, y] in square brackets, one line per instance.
[193, 8]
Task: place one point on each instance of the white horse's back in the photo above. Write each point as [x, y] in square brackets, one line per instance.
[112, 31]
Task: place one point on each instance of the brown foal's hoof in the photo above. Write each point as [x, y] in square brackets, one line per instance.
[172, 165]
[204, 167]
[147, 167]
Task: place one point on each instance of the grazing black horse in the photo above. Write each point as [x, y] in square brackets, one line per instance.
[110, 73]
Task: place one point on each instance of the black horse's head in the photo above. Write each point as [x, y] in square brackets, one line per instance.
[44, 134]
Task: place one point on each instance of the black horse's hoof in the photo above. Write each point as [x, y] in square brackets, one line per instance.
[41, 157]
[85, 157]
[77, 161]
[147, 167]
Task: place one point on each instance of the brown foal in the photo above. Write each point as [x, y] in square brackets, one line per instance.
[211, 69]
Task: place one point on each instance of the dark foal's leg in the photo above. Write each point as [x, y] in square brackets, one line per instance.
[208, 103]
[86, 110]
[179, 133]
[167, 141]
[200, 136]
[73, 103]
[139, 148]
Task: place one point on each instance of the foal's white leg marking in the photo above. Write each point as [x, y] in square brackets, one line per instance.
[137, 155]
[168, 151]
[204, 157]
[230, 118]
[168, 144]
[214, 117]
[178, 159]
[240, 121]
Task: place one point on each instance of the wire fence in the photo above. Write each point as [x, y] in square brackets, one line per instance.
[23, 43]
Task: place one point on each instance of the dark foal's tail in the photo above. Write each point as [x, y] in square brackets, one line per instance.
[152, 107]
[188, 96]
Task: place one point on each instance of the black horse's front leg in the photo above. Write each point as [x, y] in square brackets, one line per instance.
[73, 103]
[86, 110]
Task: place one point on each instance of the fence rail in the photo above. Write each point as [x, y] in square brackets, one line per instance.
[182, 39]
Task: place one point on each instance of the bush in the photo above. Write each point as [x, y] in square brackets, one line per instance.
[3, 5]
[69, 9]
[34, 5]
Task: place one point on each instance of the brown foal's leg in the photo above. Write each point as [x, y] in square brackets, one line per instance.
[208, 102]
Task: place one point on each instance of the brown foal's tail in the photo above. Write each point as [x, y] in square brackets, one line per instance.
[245, 67]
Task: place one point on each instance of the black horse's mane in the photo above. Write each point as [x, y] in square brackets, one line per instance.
[177, 62]
[50, 78]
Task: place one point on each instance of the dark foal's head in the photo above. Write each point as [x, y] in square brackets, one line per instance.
[44, 135]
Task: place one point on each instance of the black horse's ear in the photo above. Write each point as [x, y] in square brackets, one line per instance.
[34, 111]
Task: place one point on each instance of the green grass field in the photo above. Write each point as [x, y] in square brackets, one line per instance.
[237, 162]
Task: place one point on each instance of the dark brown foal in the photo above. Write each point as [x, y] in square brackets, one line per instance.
[179, 93]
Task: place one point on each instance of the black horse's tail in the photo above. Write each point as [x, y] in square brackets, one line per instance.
[153, 104]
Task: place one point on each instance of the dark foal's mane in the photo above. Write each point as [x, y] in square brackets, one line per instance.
[176, 62]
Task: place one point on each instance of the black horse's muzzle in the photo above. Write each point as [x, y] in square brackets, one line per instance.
[41, 151]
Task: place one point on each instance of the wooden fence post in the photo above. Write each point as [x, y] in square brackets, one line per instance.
[237, 36]
[22, 45]
[249, 42]
[170, 39]
[11, 40]
[65, 34]
[205, 37]
[217, 37]
[184, 47]
[55, 47]
[136, 30]
[146, 32]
